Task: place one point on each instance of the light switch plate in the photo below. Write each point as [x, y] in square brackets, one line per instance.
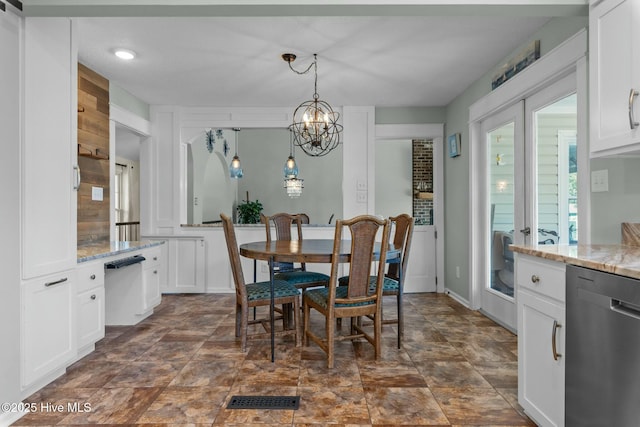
[600, 181]
[96, 193]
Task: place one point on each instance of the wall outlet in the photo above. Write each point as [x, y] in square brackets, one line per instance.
[96, 193]
[361, 196]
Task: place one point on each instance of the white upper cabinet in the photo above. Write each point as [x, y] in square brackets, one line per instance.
[48, 152]
[614, 66]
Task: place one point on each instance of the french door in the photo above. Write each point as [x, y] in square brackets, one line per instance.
[531, 186]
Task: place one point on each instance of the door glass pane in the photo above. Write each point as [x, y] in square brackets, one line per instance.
[501, 195]
[557, 167]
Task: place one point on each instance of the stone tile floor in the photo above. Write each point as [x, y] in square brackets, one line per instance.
[182, 365]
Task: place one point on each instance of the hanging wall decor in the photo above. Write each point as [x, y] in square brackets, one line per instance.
[210, 140]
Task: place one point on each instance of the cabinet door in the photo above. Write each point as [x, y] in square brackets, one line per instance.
[150, 288]
[48, 196]
[90, 306]
[540, 375]
[47, 319]
[613, 41]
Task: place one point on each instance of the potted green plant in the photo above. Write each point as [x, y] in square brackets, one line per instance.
[249, 212]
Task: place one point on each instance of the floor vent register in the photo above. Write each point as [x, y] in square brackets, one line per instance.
[264, 402]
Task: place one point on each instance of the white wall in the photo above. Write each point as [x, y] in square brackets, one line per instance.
[393, 177]
[11, 28]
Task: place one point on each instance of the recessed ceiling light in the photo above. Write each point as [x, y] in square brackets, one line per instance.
[125, 54]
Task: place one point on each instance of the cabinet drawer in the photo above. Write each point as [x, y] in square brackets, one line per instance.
[152, 256]
[541, 276]
[90, 275]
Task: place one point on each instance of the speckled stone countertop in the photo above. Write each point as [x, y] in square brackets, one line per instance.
[219, 225]
[618, 259]
[103, 250]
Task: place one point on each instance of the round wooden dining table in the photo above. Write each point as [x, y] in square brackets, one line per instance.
[307, 251]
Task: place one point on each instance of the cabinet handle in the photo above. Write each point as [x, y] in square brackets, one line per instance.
[64, 279]
[555, 327]
[632, 121]
[155, 258]
[76, 186]
[92, 277]
[535, 279]
[155, 271]
[93, 296]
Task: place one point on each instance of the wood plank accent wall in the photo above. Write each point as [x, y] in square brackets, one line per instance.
[93, 156]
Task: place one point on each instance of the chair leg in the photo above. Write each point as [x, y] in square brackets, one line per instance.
[377, 325]
[329, 330]
[238, 320]
[400, 319]
[296, 319]
[305, 320]
[244, 328]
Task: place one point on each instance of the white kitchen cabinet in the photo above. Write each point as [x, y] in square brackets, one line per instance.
[151, 295]
[49, 147]
[614, 67]
[541, 338]
[48, 333]
[90, 306]
[132, 291]
[184, 266]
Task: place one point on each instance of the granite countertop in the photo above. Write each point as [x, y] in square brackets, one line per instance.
[106, 249]
[219, 225]
[618, 259]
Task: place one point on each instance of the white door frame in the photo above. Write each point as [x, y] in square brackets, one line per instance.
[121, 117]
[433, 132]
[547, 96]
[568, 57]
[497, 305]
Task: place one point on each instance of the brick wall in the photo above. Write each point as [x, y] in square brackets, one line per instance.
[423, 172]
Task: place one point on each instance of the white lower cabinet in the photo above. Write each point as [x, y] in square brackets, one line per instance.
[151, 281]
[541, 338]
[132, 291]
[90, 305]
[48, 333]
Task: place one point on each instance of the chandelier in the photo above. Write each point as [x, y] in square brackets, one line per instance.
[315, 125]
[292, 184]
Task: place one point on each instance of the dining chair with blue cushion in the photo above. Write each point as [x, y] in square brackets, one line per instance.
[298, 275]
[259, 294]
[359, 298]
[393, 282]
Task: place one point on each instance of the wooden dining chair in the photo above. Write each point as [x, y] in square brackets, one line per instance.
[359, 298]
[393, 283]
[288, 272]
[259, 294]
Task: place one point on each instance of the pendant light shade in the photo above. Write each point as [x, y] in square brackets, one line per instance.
[294, 187]
[235, 169]
[292, 184]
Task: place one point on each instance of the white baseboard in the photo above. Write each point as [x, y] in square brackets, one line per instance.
[457, 297]
[8, 418]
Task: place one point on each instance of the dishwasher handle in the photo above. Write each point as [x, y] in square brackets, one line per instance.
[625, 308]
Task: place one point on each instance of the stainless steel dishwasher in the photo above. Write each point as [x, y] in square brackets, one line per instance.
[603, 349]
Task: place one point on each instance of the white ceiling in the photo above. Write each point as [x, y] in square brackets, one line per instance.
[362, 60]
